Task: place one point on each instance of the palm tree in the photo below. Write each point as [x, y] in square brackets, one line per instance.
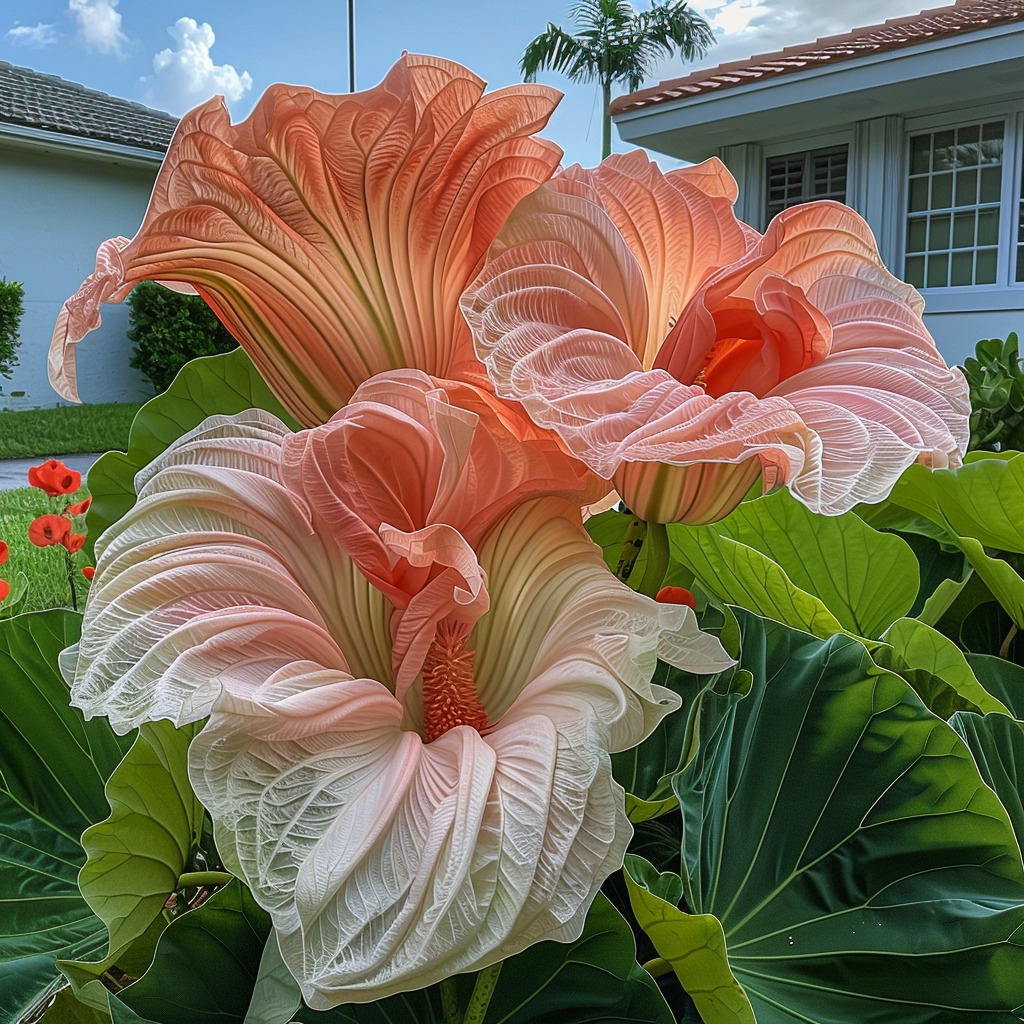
[614, 43]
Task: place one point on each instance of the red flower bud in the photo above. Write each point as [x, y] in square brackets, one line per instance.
[88, 571]
[4, 552]
[74, 541]
[54, 478]
[80, 508]
[676, 595]
[49, 529]
[5, 589]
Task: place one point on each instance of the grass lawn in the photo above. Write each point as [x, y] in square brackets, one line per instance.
[38, 576]
[66, 430]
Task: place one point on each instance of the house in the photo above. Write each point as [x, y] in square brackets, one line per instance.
[918, 124]
[76, 167]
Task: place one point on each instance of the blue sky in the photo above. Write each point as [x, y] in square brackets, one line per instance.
[172, 54]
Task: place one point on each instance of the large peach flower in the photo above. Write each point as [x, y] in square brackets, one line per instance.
[415, 664]
[332, 235]
[683, 356]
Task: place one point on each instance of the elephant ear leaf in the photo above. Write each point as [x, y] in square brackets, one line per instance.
[832, 825]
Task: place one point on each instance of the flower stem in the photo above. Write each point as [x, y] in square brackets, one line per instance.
[198, 878]
[657, 967]
[449, 1001]
[69, 565]
[631, 545]
[657, 559]
[486, 982]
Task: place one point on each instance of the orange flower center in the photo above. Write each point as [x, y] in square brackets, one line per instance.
[449, 689]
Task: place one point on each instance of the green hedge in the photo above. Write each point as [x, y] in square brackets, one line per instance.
[11, 311]
[168, 329]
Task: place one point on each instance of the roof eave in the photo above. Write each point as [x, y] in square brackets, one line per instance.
[60, 142]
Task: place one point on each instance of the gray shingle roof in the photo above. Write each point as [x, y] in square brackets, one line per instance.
[34, 100]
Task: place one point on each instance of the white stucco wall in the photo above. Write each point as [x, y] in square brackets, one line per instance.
[56, 207]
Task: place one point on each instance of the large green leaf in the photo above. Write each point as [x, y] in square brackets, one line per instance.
[206, 965]
[821, 573]
[693, 944]
[864, 579]
[137, 854]
[224, 384]
[861, 868]
[52, 769]
[1003, 679]
[997, 743]
[936, 668]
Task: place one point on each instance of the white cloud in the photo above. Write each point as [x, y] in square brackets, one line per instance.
[732, 18]
[187, 75]
[32, 35]
[99, 25]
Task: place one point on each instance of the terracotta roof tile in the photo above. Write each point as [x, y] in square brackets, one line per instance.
[34, 100]
[963, 16]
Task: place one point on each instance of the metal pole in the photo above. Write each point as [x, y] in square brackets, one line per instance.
[351, 45]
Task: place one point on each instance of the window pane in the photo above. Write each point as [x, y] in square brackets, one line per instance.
[914, 271]
[988, 227]
[963, 230]
[986, 266]
[938, 236]
[942, 153]
[942, 191]
[917, 235]
[1020, 263]
[919, 194]
[991, 184]
[920, 154]
[938, 271]
[966, 188]
[961, 268]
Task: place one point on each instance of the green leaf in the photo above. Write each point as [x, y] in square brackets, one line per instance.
[861, 868]
[694, 944]
[997, 743]
[1003, 679]
[224, 384]
[206, 965]
[137, 854]
[936, 668]
[824, 574]
[52, 769]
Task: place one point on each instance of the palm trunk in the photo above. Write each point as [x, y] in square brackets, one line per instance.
[606, 125]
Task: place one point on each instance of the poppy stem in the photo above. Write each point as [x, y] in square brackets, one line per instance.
[631, 545]
[657, 559]
[486, 983]
[69, 565]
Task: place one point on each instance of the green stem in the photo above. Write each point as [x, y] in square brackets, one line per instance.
[449, 1001]
[631, 545]
[1004, 649]
[658, 967]
[69, 565]
[194, 879]
[656, 544]
[486, 982]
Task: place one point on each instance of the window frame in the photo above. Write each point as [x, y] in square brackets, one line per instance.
[805, 144]
[1005, 292]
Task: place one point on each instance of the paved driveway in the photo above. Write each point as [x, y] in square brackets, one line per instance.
[14, 472]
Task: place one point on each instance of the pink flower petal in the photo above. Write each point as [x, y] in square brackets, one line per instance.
[333, 235]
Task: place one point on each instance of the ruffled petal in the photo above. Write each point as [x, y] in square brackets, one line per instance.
[333, 235]
[214, 573]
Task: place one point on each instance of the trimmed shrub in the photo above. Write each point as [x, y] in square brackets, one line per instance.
[996, 378]
[11, 311]
[168, 329]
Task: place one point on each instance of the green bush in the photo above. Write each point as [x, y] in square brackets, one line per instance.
[11, 311]
[996, 379]
[168, 329]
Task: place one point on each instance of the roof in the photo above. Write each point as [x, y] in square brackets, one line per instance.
[31, 99]
[894, 34]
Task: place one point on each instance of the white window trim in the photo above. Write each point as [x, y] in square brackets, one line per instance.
[803, 144]
[1006, 293]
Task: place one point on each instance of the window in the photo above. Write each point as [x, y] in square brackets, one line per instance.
[801, 177]
[953, 207]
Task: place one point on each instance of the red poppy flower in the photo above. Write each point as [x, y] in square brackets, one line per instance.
[4, 551]
[74, 541]
[80, 508]
[88, 571]
[49, 529]
[676, 595]
[54, 478]
[5, 589]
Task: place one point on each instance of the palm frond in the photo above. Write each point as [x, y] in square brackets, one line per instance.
[555, 50]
